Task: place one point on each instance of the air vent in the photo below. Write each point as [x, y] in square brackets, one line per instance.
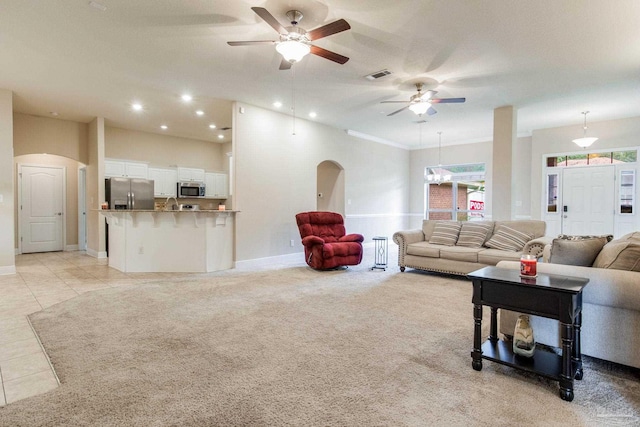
[378, 74]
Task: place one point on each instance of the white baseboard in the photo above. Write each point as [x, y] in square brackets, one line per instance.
[271, 261]
[96, 254]
[70, 248]
[7, 269]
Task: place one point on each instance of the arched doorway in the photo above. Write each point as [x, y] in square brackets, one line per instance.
[330, 187]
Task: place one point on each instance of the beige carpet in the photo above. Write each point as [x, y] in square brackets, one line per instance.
[296, 347]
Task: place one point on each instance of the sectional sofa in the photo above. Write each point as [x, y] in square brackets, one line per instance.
[459, 248]
[610, 301]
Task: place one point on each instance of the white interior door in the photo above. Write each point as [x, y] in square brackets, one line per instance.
[588, 197]
[41, 210]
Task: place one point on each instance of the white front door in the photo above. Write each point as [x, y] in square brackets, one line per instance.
[41, 210]
[588, 196]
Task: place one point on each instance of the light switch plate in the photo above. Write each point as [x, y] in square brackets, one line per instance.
[1, 198]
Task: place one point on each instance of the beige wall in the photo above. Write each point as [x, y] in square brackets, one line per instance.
[276, 178]
[7, 251]
[37, 135]
[71, 190]
[164, 150]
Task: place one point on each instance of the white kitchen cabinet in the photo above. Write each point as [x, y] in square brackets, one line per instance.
[125, 169]
[190, 174]
[165, 181]
[216, 185]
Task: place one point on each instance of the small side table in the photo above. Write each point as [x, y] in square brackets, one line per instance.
[381, 249]
[548, 295]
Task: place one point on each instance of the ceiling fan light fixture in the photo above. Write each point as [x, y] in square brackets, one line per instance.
[292, 50]
[420, 108]
[585, 141]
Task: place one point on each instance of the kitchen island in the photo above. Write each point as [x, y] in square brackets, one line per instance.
[170, 241]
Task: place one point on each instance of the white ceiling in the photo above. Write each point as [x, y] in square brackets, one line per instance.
[551, 59]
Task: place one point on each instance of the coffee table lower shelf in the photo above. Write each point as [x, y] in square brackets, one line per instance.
[543, 362]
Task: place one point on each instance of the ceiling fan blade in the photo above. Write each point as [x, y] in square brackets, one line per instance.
[431, 111]
[285, 65]
[428, 95]
[447, 100]
[332, 56]
[329, 29]
[393, 102]
[249, 43]
[269, 19]
[397, 111]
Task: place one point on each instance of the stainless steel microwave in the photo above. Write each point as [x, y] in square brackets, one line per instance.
[191, 190]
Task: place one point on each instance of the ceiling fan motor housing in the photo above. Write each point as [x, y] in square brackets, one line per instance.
[294, 16]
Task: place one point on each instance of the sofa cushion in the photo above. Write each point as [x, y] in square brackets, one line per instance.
[459, 253]
[494, 256]
[508, 239]
[474, 234]
[576, 251]
[619, 255]
[424, 249]
[445, 233]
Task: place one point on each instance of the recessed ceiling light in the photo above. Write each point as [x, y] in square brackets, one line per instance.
[200, 113]
[212, 126]
[220, 136]
[312, 114]
[136, 107]
[54, 113]
[164, 127]
[187, 98]
[277, 104]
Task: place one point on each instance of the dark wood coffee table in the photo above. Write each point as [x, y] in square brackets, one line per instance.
[548, 295]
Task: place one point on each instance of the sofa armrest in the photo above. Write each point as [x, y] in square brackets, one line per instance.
[312, 240]
[352, 238]
[404, 239]
[535, 247]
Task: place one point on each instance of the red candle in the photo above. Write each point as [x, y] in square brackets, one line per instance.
[528, 266]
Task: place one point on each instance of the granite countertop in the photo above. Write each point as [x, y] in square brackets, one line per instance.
[165, 211]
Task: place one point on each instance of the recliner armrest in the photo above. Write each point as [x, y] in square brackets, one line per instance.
[352, 238]
[312, 240]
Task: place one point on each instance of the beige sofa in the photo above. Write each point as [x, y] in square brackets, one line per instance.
[610, 308]
[416, 251]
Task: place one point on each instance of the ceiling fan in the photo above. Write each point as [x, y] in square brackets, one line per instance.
[295, 42]
[421, 102]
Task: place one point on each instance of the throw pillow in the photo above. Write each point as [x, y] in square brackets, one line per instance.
[508, 239]
[474, 234]
[576, 251]
[445, 233]
[619, 255]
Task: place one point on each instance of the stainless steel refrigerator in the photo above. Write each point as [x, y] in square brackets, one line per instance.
[129, 193]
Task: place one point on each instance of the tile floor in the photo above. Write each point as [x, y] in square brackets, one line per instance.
[43, 280]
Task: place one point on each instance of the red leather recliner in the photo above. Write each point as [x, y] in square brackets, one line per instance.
[326, 244]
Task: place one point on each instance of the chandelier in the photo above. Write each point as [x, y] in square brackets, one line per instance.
[438, 175]
[585, 141]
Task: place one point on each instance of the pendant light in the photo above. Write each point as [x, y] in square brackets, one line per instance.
[585, 141]
[436, 177]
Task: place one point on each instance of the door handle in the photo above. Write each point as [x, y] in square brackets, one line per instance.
[59, 213]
